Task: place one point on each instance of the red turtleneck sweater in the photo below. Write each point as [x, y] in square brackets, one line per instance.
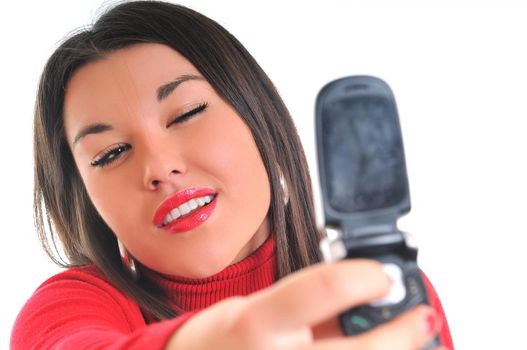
[80, 309]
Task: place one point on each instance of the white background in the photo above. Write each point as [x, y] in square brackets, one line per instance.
[458, 70]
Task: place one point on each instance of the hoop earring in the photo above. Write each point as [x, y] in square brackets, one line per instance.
[283, 184]
[128, 261]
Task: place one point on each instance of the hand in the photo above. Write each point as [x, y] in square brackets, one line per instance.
[298, 312]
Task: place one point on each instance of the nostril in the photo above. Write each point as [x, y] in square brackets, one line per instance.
[155, 180]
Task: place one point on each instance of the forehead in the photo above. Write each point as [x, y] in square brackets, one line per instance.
[123, 80]
[142, 64]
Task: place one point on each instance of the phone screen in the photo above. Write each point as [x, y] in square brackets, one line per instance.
[363, 154]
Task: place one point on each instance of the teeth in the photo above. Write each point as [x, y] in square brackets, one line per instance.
[186, 208]
[174, 214]
[193, 204]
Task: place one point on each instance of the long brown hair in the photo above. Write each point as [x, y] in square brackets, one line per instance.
[64, 213]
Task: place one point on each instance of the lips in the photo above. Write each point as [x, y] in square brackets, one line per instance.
[164, 217]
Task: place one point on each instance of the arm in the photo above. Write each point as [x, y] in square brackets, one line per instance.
[288, 314]
[77, 309]
[74, 311]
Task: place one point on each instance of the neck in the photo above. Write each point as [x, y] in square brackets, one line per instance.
[252, 273]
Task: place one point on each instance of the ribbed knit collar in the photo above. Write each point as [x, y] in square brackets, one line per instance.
[249, 275]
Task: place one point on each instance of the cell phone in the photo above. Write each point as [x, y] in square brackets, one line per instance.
[365, 191]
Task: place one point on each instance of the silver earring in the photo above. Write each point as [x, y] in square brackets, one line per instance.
[128, 261]
[285, 190]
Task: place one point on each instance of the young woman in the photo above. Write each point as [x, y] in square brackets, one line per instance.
[169, 170]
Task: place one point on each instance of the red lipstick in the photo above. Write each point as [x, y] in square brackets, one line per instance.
[189, 221]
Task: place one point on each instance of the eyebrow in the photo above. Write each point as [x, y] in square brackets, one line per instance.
[164, 90]
[91, 129]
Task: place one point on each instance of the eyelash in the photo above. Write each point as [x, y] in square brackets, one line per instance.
[188, 115]
[111, 154]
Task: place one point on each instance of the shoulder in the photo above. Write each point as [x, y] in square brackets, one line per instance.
[77, 297]
[86, 281]
[87, 284]
[88, 275]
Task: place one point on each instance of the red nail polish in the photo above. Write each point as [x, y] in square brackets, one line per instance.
[431, 322]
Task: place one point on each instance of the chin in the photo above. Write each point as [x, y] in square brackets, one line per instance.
[205, 266]
[203, 271]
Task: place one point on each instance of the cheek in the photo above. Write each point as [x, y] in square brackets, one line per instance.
[104, 198]
[229, 152]
[232, 151]
[112, 199]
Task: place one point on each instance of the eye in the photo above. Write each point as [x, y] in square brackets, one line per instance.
[188, 115]
[109, 155]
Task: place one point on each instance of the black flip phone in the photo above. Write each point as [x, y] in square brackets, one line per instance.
[365, 191]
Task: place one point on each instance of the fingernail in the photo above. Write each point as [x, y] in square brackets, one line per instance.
[432, 322]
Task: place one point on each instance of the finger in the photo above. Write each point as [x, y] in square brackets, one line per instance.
[312, 295]
[327, 329]
[412, 330]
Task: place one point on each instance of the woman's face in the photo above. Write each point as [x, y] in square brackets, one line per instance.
[149, 134]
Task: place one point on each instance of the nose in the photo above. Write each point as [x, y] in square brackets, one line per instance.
[162, 169]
